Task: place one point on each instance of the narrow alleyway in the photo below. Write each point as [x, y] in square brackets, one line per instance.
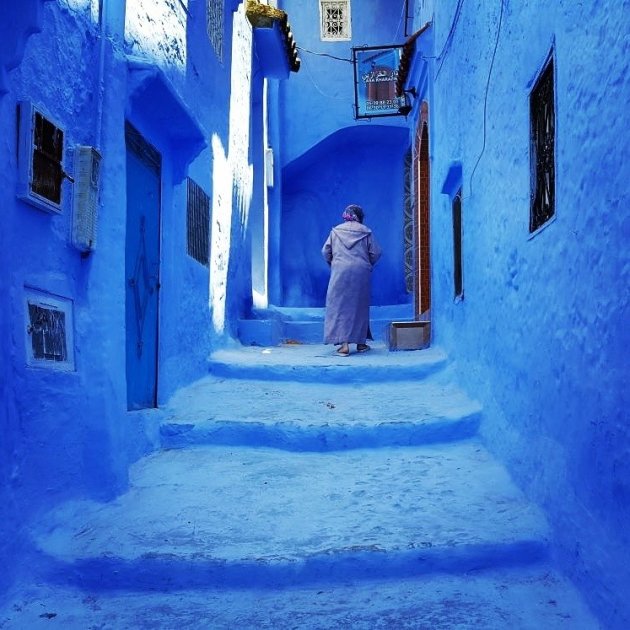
[296, 489]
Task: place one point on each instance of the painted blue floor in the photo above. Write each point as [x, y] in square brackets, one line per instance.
[298, 489]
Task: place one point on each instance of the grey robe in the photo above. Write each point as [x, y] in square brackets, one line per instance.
[351, 251]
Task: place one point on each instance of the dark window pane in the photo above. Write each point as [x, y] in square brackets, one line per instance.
[198, 223]
[48, 333]
[47, 174]
[542, 148]
[457, 244]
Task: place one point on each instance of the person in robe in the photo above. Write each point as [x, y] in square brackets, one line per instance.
[351, 251]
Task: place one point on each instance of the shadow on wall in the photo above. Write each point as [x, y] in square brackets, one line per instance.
[363, 165]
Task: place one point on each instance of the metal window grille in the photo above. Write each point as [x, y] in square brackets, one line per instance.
[47, 175]
[335, 19]
[215, 19]
[542, 148]
[47, 329]
[408, 211]
[423, 254]
[198, 223]
[148, 153]
[457, 245]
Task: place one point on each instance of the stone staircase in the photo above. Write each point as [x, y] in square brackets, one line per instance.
[299, 489]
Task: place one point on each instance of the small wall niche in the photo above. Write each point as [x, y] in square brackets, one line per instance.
[48, 328]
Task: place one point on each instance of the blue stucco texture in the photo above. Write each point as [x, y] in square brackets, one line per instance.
[542, 333]
[251, 536]
[362, 165]
[529, 599]
[68, 433]
[319, 100]
[459, 486]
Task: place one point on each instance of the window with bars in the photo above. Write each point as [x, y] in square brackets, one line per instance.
[47, 156]
[408, 212]
[198, 223]
[542, 148]
[335, 20]
[40, 158]
[48, 333]
[422, 215]
[49, 330]
[458, 279]
[214, 23]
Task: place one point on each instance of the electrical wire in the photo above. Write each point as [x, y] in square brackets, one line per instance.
[485, 99]
[447, 41]
[402, 17]
[311, 52]
[312, 80]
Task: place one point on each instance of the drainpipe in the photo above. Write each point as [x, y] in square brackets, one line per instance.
[112, 26]
[101, 75]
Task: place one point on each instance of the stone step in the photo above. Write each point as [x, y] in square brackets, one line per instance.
[276, 325]
[313, 331]
[309, 313]
[320, 363]
[530, 598]
[318, 417]
[242, 517]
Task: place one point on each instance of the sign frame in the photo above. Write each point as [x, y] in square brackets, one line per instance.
[375, 85]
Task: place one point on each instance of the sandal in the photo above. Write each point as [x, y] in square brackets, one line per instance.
[362, 347]
[344, 351]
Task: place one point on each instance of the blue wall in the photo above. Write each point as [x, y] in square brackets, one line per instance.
[59, 441]
[361, 165]
[68, 433]
[329, 159]
[319, 100]
[539, 337]
[542, 334]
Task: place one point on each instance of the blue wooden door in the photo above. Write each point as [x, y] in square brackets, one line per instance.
[142, 264]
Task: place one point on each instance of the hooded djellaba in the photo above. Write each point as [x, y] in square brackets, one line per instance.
[351, 251]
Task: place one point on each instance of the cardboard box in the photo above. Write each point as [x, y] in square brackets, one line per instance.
[409, 335]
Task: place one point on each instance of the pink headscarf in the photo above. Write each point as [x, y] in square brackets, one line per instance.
[353, 213]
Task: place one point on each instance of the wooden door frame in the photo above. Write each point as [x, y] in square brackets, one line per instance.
[422, 178]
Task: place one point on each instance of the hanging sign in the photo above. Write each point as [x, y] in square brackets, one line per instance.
[375, 74]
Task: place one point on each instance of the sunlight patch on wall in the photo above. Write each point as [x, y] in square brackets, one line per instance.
[221, 232]
[232, 174]
[83, 5]
[157, 29]
[260, 258]
[240, 113]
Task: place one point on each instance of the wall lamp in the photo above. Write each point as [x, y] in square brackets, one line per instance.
[406, 107]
